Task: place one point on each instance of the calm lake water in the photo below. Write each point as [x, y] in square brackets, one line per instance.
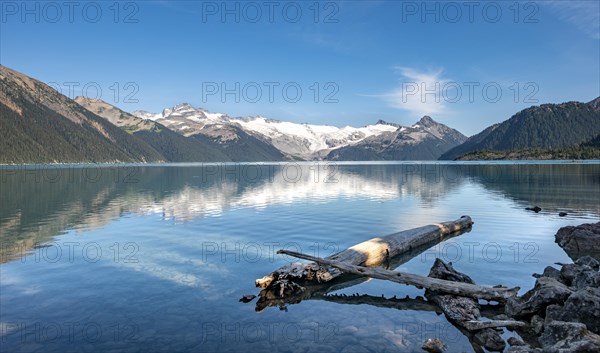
[155, 258]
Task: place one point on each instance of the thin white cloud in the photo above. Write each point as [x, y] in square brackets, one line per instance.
[585, 15]
[419, 92]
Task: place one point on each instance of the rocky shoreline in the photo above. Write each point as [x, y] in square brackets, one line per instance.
[560, 314]
[562, 311]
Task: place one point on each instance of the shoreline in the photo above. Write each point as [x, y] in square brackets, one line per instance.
[321, 162]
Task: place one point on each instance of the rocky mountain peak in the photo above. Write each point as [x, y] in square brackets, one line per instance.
[426, 121]
[184, 107]
[383, 122]
[179, 110]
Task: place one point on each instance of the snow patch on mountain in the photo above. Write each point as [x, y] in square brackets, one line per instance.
[308, 138]
[146, 115]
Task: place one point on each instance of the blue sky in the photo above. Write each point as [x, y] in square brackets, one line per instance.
[354, 62]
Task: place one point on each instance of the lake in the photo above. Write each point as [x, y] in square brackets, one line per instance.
[155, 258]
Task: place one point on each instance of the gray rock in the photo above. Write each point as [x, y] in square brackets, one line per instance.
[586, 278]
[581, 240]
[568, 273]
[588, 261]
[460, 309]
[501, 317]
[547, 291]
[490, 340]
[537, 324]
[514, 341]
[551, 272]
[530, 333]
[579, 276]
[247, 298]
[535, 209]
[567, 337]
[582, 306]
[434, 345]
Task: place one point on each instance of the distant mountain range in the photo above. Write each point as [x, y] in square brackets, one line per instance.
[40, 125]
[270, 139]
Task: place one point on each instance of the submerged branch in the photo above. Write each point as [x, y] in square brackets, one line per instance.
[450, 287]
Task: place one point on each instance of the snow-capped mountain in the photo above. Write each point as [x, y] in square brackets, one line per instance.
[425, 140]
[304, 141]
[218, 130]
[180, 112]
[147, 116]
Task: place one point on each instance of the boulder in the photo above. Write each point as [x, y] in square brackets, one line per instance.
[434, 345]
[580, 240]
[588, 261]
[586, 278]
[514, 341]
[551, 272]
[568, 273]
[569, 337]
[537, 324]
[490, 339]
[547, 291]
[582, 306]
[580, 276]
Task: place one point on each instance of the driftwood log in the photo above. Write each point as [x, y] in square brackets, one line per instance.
[474, 325]
[500, 294]
[289, 279]
[271, 298]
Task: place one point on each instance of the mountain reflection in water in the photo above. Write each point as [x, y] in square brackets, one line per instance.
[40, 203]
[192, 230]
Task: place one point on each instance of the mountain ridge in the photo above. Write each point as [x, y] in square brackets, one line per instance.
[547, 126]
[173, 146]
[303, 141]
[40, 125]
[424, 140]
